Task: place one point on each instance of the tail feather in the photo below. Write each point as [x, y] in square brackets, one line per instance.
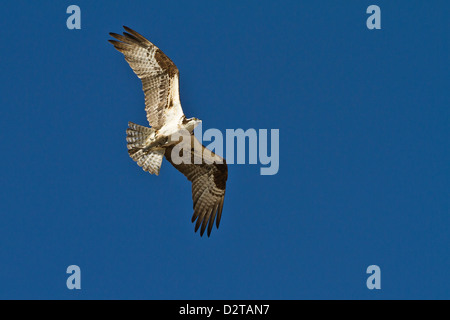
[148, 159]
[137, 135]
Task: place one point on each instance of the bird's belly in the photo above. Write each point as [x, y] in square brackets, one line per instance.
[173, 133]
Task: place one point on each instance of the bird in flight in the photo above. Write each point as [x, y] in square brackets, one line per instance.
[207, 171]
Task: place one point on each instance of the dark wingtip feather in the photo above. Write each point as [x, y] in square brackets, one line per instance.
[197, 225]
[212, 218]
[202, 231]
[209, 216]
[219, 213]
[116, 44]
[134, 33]
[137, 36]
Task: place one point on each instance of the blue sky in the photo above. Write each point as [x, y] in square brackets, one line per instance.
[364, 151]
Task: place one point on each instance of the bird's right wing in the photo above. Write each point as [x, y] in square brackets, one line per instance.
[159, 76]
[208, 179]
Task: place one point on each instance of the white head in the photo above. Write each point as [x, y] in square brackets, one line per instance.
[191, 123]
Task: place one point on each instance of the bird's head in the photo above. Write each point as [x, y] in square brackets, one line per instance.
[191, 123]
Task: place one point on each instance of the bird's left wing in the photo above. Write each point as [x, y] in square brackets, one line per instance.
[208, 179]
[159, 76]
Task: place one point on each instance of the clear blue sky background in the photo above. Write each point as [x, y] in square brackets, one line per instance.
[364, 151]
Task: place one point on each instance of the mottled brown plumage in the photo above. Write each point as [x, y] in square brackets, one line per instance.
[207, 171]
[208, 183]
[158, 74]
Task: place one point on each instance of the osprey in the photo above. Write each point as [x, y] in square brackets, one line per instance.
[207, 171]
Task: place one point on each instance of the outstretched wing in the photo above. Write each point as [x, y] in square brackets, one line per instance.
[158, 74]
[208, 179]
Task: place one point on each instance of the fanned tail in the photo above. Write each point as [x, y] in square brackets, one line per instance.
[148, 159]
[137, 135]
